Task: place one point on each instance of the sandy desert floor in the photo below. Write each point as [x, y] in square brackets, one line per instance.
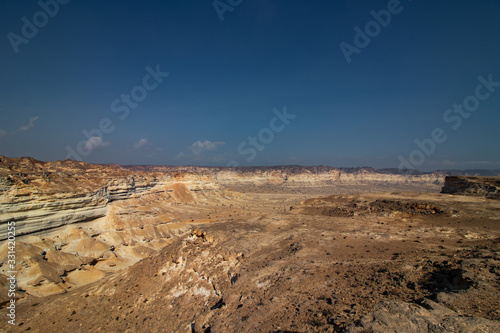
[286, 262]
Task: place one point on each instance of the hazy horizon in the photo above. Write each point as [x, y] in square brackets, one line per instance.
[384, 84]
[273, 166]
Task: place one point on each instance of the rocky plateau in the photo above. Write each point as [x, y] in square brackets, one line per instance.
[271, 249]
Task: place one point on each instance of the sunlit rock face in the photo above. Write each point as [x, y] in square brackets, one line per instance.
[318, 176]
[209, 239]
[44, 195]
[488, 187]
[75, 222]
[290, 177]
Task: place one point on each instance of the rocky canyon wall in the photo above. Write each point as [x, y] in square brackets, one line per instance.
[43, 195]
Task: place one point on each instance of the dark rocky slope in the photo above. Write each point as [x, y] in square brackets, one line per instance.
[488, 187]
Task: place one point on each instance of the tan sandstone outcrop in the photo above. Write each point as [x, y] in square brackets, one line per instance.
[43, 195]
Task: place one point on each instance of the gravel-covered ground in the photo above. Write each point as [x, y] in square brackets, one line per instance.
[404, 262]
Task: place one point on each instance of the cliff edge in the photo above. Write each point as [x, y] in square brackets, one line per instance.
[488, 187]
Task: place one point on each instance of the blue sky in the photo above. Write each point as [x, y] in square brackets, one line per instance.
[225, 78]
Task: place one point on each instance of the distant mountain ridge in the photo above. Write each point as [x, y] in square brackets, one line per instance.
[313, 169]
[292, 169]
[42, 195]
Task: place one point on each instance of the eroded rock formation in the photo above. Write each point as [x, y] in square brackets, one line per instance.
[301, 249]
[488, 187]
[44, 195]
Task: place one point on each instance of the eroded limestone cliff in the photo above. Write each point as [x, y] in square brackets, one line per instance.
[43, 195]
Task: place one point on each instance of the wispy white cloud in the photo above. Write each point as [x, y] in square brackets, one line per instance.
[31, 124]
[180, 155]
[206, 145]
[28, 126]
[95, 142]
[140, 144]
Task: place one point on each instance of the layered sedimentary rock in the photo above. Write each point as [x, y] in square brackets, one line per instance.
[128, 215]
[488, 187]
[293, 176]
[272, 260]
[34, 212]
[43, 195]
[296, 177]
[360, 263]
